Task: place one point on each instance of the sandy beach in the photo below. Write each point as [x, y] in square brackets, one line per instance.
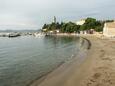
[98, 69]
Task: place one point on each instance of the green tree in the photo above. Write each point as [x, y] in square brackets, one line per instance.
[90, 23]
[70, 27]
[45, 26]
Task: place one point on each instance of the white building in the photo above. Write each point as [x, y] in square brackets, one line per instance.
[109, 29]
[81, 22]
[57, 31]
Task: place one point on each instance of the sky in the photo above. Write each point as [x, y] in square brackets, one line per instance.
[32, 14]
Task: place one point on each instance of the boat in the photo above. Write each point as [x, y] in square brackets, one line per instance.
[14, 35]
[39, 34]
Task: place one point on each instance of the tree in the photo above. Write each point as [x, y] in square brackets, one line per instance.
[82, 27]
[45, 26]
[90, 23]
[70, 27]
[99, 26]
[109, 21]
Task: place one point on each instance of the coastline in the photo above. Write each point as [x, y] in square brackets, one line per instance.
[85, 45]
[96, 70]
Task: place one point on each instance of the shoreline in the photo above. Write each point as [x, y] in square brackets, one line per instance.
[85, 45]
[98, 69]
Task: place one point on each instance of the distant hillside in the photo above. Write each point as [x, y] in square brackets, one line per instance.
[19, 30]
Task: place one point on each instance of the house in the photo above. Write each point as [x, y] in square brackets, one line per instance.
[57, 31]
[81, 22]
[109, 29]
[44, 30]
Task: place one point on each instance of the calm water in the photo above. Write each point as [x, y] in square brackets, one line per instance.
[24, 59]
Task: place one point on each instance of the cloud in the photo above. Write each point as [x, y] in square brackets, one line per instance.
[38, 12]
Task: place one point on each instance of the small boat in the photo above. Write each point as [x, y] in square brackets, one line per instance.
[39, 34]
[14, 35]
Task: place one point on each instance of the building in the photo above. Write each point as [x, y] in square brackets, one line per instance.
[109, 29]
[54, 20]
[57, 31]
[44, 30]
[81, 22]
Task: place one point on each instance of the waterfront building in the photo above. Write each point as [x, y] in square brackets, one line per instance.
[81, 22]
[57, 31]
[109, 29]
[44, 30]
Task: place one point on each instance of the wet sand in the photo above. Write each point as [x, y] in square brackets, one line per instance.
[98, 69]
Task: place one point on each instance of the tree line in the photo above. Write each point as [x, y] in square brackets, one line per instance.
[70, 27]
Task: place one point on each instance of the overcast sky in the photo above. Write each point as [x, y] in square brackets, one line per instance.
[32, 14]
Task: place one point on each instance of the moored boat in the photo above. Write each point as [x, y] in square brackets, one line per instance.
[39, 34]
[14, 35]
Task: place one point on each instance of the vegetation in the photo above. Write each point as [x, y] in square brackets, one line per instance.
[92, 23]
[70, 27]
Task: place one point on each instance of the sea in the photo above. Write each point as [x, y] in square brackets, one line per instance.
[27, 58]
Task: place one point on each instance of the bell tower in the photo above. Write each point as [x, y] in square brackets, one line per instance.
[54, 19]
